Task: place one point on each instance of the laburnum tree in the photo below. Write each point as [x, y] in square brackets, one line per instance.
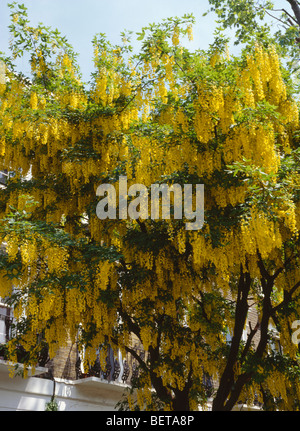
[162, 115]
[263, 20]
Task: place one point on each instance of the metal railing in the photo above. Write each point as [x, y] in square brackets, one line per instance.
[117, 368]
[3, 178]
[5, 334]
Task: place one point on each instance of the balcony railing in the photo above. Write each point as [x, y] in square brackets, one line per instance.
[117, 369]
[5, 324]
[3, 178]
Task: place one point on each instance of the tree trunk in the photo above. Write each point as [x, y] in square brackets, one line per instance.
[227, 378]
[229, 390]
[296, 9]
[181, 401]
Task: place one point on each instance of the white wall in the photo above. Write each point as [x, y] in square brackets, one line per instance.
[33, 393]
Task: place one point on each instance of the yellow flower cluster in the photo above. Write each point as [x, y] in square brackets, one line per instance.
[277, 386]
[175, 37]
[208, 108]
[103, 274]
[144, 397]
[33, 101]
[29, 252]
[257, 233]
[6, 285]
[190, 32]
[260, 234]
[100, 89]
[182, 134]
[262, 77]
[12, 245]
[57, 258]
[230, 196]
[254, 142]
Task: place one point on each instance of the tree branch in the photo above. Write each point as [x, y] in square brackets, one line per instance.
[227, 378]
[296, 9]
[264, 273]
[249, 339]
[200, 303]
[133, 353]
[133, 327]
[289, 15]
[275, 17]
[242, 379]
[287, 298]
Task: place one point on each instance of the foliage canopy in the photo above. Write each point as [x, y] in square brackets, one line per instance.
[267, 21]
[164, 115]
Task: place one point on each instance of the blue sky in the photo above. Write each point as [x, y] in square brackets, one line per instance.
[80, 20]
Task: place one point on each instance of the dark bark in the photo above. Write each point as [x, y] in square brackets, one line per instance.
[181, 401]
[261, 348]
[296, 9]
[227, 378]
[229, 390]
[230, 385]
[162, 392]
